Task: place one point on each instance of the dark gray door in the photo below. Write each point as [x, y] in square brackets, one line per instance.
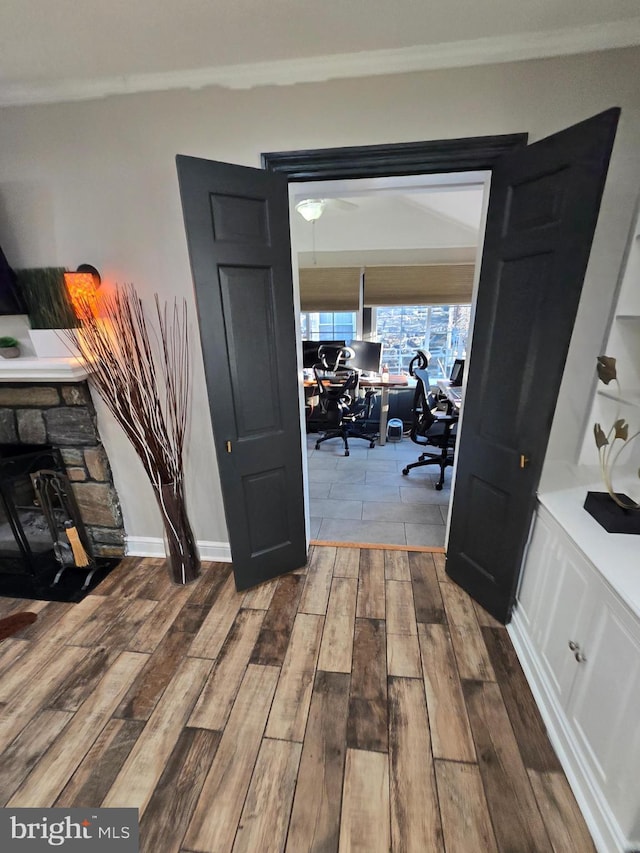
[237, 225]
[542, 214]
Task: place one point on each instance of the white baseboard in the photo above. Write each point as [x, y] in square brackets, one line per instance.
[153, 546]
[215, 551]
[595, 810]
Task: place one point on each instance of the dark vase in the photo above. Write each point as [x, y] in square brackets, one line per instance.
[183, 560]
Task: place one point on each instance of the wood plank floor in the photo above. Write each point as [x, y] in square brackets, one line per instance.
[361, 704]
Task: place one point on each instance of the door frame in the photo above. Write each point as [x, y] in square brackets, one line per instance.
[474, 153]
[470, 154]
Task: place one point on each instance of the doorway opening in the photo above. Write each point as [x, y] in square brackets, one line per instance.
[402, 162]
[392, 260]
[541, 218]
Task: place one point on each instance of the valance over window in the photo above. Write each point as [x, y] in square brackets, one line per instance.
[329, 288]
[429, 284]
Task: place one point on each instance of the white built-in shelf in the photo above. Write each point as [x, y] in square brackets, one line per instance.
[628, 317]
[30, 369]
[627, 398]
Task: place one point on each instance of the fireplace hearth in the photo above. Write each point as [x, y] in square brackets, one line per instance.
[56, 493]
[44, 548]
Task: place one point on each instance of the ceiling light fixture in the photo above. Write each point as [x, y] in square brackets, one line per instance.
[311, 208]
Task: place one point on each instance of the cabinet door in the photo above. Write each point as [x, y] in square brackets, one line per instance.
[537, 585]
[570, 603]
[604, 709]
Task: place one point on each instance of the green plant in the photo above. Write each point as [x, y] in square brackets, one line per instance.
[6, 342]
[605, 442]
[45, 295]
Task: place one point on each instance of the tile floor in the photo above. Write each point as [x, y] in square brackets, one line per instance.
[365, 498]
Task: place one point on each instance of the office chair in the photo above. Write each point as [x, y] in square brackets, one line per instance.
[340, 403]
[420, 359]
[431, 428]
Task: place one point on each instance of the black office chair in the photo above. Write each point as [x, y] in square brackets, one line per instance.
[431, 427]
[344, 410]
[420, 359]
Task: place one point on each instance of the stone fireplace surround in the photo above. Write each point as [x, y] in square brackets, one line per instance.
[47, 402]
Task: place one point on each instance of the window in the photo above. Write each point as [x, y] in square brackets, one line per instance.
[441, 330]
[328, 325]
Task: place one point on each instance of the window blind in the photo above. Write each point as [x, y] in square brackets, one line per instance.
[329, 288]
[429, 284]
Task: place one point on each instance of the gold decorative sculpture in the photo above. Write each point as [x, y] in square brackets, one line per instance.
[608, 450]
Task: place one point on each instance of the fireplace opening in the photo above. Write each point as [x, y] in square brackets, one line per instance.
[45, 551]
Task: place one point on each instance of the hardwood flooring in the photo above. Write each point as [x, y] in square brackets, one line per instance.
[364, 703]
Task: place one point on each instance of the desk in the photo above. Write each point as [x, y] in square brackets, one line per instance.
[394, 381]
[453, 394]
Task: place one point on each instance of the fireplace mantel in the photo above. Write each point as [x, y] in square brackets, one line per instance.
[31, 369]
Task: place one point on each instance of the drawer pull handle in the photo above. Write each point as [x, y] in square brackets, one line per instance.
[575, 648]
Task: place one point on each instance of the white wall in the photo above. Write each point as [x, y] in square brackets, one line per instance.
[95, 182]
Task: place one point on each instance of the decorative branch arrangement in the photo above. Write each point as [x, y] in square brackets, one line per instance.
[145, 383]
[605, 442]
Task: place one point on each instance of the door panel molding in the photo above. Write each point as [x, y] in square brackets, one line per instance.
[544, 206]
[237, 227]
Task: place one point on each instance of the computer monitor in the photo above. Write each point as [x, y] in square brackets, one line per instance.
[310, 351]
[368, 356]
[457, 372]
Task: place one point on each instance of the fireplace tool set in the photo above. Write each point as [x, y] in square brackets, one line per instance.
[54, 495]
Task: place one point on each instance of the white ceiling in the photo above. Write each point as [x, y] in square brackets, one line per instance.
[68, 49]
[401, 220]
[461, 208]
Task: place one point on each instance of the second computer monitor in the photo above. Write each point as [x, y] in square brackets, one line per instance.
[368, 356]
[457, 372]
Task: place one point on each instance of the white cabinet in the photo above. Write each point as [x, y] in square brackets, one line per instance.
[604, 710]
[576, 627]
[580, 647]
[563, 603]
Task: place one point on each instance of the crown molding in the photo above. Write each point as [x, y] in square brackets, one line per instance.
[457, 54]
